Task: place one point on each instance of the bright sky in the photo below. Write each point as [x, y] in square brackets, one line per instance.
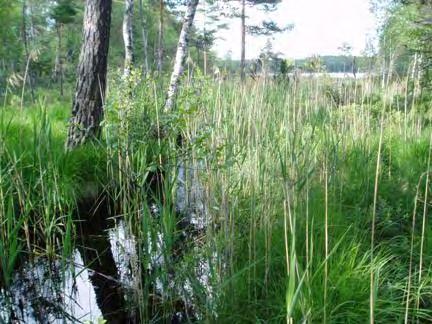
[320, 27]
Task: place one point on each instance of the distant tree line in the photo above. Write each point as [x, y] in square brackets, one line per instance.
[326, 63]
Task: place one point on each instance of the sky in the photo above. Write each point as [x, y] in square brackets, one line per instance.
[320, 27]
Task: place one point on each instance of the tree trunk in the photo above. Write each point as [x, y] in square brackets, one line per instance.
[59, 63]
[418, 77]
[243, 40]
[160, 50]
[27, 52]
[87, 109]
[198, 57]
[56, 68]
[390, 69]
[144, 38]
[128, 36]
[181, 54]
[205, 60]
[31, 29]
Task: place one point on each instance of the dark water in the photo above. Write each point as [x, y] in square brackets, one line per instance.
[46, 292]
[92, 284]
[103, 275]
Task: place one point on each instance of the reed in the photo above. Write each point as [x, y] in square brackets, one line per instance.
[289, 174]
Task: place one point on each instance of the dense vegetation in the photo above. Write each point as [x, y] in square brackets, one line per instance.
[285, 199]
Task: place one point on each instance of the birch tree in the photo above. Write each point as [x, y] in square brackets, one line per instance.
[128, 36]
[144, 37]
[160, 48]
[27, 52]
[87, 108]
[180, 57]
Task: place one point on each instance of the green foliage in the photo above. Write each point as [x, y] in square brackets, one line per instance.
[268, 28]
[406, 32]
[43, 16]
[64, 12]
[315, 64]
[10, 31]
[286, 66]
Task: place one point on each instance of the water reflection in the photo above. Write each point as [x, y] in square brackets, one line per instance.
[95, 249]
[104, 275]
[46, 292]
[83, 289]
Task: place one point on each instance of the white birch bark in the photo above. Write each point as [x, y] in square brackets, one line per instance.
[160, 49]
[181, 54]
[25, 36]
[144, 38]
[190, 196]
[128, 36]
[418, 77]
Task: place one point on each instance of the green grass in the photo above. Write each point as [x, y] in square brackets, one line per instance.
[40, 183]
[289, 179]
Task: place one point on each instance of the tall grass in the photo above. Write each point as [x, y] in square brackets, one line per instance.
[40, 183]
[310, 190]
[283, 154]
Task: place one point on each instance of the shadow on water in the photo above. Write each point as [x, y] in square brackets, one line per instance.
[95, 250]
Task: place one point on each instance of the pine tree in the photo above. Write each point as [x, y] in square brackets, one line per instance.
[87, 109]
